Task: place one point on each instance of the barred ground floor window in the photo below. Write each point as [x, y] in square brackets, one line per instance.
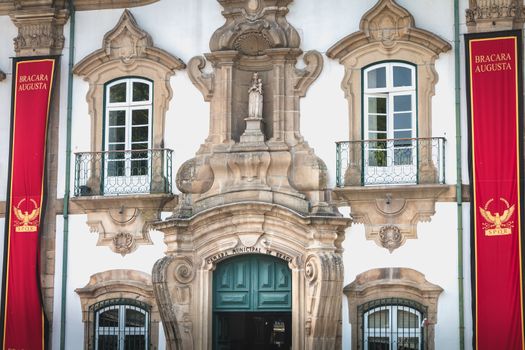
[393, 324]
[121, 324]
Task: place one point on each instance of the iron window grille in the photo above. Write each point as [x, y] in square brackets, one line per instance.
[393, 324]
[120, 324]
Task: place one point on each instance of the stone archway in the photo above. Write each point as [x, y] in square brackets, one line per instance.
[183, 280]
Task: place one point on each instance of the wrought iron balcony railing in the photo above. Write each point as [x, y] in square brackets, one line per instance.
[123, 172]
[391, 161]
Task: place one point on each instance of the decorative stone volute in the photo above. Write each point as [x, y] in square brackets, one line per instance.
[494, 15]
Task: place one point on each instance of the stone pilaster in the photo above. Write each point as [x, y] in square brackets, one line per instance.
[40, 32]
[494, 15]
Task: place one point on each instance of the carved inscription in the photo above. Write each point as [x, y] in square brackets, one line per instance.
[246, 250]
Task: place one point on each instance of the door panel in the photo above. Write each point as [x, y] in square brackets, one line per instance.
[255, 282]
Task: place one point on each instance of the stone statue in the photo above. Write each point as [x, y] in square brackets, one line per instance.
[255, 97]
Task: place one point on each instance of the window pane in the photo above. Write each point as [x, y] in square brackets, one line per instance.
[380, 318]
[135, 318]
[136, 154]
[117, 134]
[403, 121]
[139, 134]
[108, 318]
[139, 117]
[377, 158]
[377, 123]
[135, 342]
[116, 155]
[403, 156]
[116, 168]
[406, 343]
[107, 342]
[407, 319]
[117, 93]
[139, 167]
[140, 92]
[117, 118]
[377, 105]
[403, 134]
[138, 146]
[403, 103]
[377, 78]
[402, 76]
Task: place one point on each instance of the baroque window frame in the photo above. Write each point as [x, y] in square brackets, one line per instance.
[127, 51]
[393, 282]
[118, 284]
[388, 33]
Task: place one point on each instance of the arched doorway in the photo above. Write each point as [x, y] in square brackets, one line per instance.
[252, 304]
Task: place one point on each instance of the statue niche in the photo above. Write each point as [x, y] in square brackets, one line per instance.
[253, 131]
[255, 97]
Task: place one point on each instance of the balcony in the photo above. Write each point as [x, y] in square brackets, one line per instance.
[391, 162]
[116, 173]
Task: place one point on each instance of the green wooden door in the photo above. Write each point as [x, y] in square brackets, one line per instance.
[252, 283]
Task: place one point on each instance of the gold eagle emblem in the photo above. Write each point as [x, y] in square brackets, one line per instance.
[497, 224]
[26, 220]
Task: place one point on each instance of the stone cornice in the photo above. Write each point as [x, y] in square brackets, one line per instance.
[8, 6]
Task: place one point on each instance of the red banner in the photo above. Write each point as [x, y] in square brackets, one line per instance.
[495, 109]
[23, 319]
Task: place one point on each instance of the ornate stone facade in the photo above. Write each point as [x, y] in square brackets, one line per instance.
[253, 188]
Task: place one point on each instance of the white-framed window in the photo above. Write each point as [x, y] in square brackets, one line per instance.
[390, 106]
[127, 141]
[121, 325]
[390, 325]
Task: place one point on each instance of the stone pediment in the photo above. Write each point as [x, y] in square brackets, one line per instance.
[387, 23]
[127, 42]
